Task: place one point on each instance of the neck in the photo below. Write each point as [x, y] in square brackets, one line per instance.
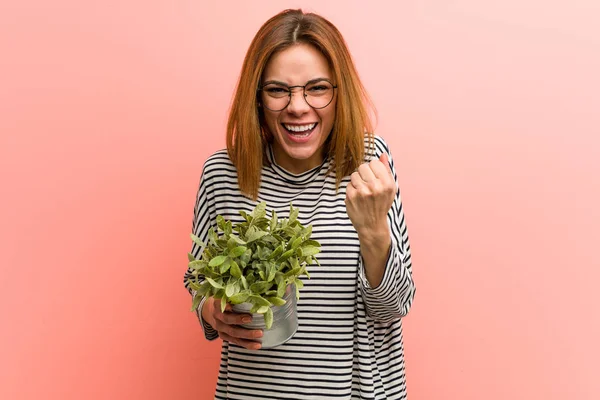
[296, 166]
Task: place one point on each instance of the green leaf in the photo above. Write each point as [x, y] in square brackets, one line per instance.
[276, 253]
[235, 270]
[296, 243]
[293, 213]
[278, 277]
[310, 251]
[231, 243]
[273, 221]
[269, 318]
[299, 283]
[238, 240]
[286, 255]
[238, 251]
[240, 297]
[293, 272]
[197, 240]
[258, 300]
[205, 288]
[272, 271]
[270, 240]
[260, 210]
[218, 260]
[225, 266]
[281, 286]
[244, 282]
[223, 304]
[276, 301]
[306, 232]
[197, 264]
[212, 237]
[260, 287]
[214, 284]
[229, 290]
[263, 309]
[294, 262]
[254, 234]
[196, 302]
[191, 257]
[221, 222]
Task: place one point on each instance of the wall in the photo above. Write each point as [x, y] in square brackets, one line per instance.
[108, 110]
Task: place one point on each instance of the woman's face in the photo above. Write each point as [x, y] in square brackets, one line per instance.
[299, 129]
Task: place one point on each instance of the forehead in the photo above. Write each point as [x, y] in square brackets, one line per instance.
[297, 65]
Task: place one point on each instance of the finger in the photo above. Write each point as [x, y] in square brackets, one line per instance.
[232, 318]
[380, 171]
[366, 174]
[384, 158]
[248, 344]
[238, 332]
[350, 191]
[357, 182]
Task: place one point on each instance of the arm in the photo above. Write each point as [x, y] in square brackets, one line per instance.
[201, 222]
[385, 269]
[391, 296]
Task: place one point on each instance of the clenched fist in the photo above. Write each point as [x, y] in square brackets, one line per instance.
[370, 195]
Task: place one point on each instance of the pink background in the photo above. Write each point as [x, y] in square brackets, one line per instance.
[109, 108]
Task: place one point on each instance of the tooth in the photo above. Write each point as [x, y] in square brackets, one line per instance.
[299, 129]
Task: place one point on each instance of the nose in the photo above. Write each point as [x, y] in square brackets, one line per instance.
[298, 104]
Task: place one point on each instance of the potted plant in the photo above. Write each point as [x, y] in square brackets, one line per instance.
[255, 265]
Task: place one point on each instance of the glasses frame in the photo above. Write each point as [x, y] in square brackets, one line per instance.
[304, 95]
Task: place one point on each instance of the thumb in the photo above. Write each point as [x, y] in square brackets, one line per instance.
[386, 161]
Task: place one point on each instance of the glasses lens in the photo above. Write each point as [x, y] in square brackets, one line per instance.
[319, 94]
[276, 97]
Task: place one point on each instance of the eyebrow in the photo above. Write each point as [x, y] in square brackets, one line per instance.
[285, 84]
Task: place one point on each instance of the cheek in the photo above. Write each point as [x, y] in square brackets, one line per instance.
[328, 116]
[271, 119]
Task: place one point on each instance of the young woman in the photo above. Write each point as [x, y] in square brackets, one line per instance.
[299, 132]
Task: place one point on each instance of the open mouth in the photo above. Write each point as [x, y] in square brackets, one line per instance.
[299, 133]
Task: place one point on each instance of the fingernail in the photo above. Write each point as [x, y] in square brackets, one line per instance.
[246, 320]
[258, 334]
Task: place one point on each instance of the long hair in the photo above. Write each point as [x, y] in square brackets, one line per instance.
[247, 134]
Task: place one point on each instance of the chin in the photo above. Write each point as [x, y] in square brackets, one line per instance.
[301, 154]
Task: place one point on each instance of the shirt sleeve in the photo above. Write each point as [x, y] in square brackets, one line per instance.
[201, 223]
[393, 297]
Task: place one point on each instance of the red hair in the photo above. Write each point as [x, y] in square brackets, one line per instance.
[247, 135]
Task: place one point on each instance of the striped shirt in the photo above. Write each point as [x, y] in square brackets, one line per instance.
[349, 340]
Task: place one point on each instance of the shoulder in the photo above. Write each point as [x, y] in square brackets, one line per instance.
[218, 164]
[375, 148]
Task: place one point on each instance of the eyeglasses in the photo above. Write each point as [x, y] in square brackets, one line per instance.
[276, 96]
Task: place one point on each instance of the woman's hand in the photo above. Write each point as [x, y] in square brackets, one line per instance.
[370, 195]
[226, 324]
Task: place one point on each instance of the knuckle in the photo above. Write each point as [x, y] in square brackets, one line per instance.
[228, 329]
